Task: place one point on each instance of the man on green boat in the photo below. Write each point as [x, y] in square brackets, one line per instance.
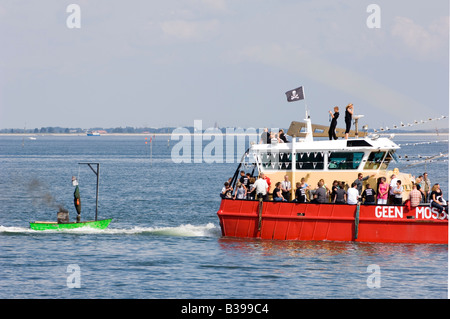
[77, 198]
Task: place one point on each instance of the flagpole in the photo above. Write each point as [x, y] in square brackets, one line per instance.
[306, 106]
[293, 167]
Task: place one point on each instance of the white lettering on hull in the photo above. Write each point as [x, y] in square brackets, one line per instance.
[430, 213]
[389, 211]
[397, 212]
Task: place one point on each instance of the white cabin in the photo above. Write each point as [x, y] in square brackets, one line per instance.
[331, 160]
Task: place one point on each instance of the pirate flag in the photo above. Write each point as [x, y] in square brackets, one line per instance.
[295, 95]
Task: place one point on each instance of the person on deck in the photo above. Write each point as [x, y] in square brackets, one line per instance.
[419, 184]
[352, 195]
[320, 195]
[383, 190]
[422, 199]
[348, 119]
[248, 181]
[244, 179]
[277, 195]
[241, 191]
[368, 195]
[77, 198]
[274, 140]
[306, 187]
[341, 195]
[359, 181]
[398, 191]
[265, 137]
[426, 187]
[227, 190]
[286, 188]
[261, 187]
[333, 124]
[392, 185]
[436, 199]
[300, 193]
[334, 187]
[251, 190]
[282, 136]
[415, 196]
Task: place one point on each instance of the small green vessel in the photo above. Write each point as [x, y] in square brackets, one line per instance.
[98, 224]
[63, 223]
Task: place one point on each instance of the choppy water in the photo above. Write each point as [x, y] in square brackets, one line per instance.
[165, 241]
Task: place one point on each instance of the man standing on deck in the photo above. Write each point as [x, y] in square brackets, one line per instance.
[265, 137]
[426, 187]
[261, 187]
[352, 195]
[359, 182]
[332, 129]
[77, 198]
[320, 195]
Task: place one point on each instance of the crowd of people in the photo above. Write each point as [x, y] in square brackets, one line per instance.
[272, 137]
[250, 188]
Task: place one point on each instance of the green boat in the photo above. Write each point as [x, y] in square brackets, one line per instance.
[63, 223]
[97, 224]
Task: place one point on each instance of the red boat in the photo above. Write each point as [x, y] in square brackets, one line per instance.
[307, 221]
[328, 161]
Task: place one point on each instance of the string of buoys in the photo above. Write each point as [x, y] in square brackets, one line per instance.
[407, 157]
[403, 125]
[422, 143]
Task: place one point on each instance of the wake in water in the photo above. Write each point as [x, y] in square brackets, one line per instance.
[188, 230]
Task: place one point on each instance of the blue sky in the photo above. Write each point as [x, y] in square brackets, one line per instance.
[168, 63]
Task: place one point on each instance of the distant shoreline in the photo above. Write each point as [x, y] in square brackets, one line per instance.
[170, 134]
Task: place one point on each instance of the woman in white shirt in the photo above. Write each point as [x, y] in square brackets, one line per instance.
[398, 191]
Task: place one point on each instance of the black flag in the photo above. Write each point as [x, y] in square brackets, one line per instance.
[295, 95]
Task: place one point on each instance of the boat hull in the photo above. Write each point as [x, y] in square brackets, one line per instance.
[306, 221]
[97, 224]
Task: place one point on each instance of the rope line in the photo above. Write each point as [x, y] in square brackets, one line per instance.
[403, 125]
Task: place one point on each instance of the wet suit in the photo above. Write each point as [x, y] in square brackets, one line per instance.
[332, 130]
[348, 121]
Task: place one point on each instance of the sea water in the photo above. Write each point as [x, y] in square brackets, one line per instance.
[165, 240]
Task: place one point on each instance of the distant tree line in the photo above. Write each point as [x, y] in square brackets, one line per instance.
[43, 130]
[66, 130]
[143, 130]
[118, 130]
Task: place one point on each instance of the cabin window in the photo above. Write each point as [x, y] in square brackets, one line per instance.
[344, 160]
[286, 161]
[358, 143]
[390, 155]
[375, 161]
[310, 160]
[318, 131]
[266, 160]
[276, 161]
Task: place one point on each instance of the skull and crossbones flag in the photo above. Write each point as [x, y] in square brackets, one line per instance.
[295, 94]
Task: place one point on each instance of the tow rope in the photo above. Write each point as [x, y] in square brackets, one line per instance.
[260, 207]
[357, 220]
